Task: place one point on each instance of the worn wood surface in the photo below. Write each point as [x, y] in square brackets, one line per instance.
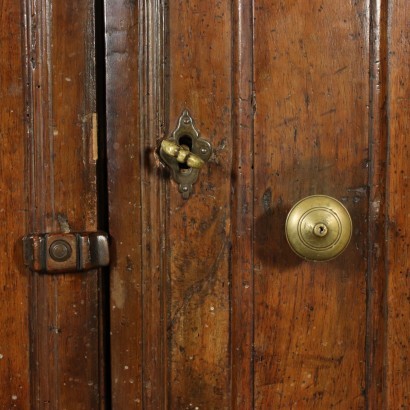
[311, 137]
[376, 246]
[398, 294]
[242, 283]
[198, 229]
[209, 307]
[122, 98]
[14, 331]
[134, 53]
[61, 185]
[152, 230]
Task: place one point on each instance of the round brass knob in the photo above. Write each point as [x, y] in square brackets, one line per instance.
[318, 228]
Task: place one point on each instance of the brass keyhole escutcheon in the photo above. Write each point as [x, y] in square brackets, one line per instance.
[318, 228]
[185, 152]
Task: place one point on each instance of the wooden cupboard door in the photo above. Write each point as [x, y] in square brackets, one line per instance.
[50, 331]
[209, 307]
[14, 308]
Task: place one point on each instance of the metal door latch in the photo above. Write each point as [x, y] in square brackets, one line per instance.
[66, 252]
[185, 152]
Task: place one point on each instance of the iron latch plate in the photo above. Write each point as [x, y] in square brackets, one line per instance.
[66, 252]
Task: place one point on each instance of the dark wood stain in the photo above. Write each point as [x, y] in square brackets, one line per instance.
[242, 252]
[310, 352]
[14, 305]
[61, 191]
[124, 181]
[397, 376]
[208, 306]
[302, 117]
[198, 285]
[376, 247]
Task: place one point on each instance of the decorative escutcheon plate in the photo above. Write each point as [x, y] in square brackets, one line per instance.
[183, 148]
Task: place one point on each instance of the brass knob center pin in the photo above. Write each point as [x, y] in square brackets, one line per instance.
[318, 228]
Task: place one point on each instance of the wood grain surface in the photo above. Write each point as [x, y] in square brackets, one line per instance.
[198, 230]
[242, 250]
[378, 149]
[311, 67]
[398, 293]
[61, 190]
[135, 72]
[14, 304]
[152, 189]
[210, 308]
[124, 180]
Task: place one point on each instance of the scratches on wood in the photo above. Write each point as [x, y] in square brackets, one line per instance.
[398, 173]
[14, 280]
[203, 285]
[94, 138]
[295, 92]
[62, 187]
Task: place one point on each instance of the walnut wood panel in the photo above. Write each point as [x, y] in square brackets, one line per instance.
[311, 137]
[123, 147]
[242, 293]
[14, 331]
[61, 160]
[153, 228]
[398, 296]
[209, 307]
[134, 109]
[198, 229]
[378, 144]
[145, 253]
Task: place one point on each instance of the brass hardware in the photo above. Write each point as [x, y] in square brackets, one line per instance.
[66, 252]
[318, 228]
[185, 152]
[183, 156]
